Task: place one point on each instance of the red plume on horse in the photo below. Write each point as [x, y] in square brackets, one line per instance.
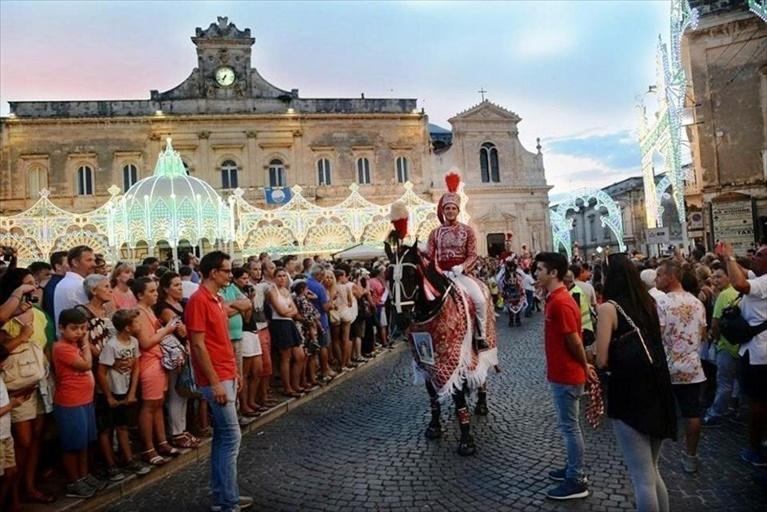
[451, 331]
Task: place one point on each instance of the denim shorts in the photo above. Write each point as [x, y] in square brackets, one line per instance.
[77, 426]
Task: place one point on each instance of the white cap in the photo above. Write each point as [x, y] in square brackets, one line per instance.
[648, 277]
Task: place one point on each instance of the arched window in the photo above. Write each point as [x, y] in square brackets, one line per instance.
[228, 174]
[85, 180]
[403, 170]
[363, 171]
[488, 163]
[276, 173]
[130, 176]
[37, 179]
[323, 172]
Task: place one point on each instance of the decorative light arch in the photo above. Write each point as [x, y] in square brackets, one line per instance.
[561, 225]
[664, 135]
[298, 227]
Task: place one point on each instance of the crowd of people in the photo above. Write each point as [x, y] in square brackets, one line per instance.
[656, 331]
[123, 368]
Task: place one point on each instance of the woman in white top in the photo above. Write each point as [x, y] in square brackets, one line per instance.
[347, 312]
[285, 335]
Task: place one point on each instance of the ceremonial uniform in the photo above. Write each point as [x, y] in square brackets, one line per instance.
[453, 248]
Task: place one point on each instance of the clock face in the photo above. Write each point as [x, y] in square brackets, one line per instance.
[225, 76]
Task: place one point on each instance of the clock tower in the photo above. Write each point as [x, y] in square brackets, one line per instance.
[223, 69]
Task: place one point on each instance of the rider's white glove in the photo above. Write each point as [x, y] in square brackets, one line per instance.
[457, 270]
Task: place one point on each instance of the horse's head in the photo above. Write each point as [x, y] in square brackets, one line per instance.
[415, 284]
[404, 276]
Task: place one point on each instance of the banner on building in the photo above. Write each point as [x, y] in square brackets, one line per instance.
[733, 222]
[277, 195]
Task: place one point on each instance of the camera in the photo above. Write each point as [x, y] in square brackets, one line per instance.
[31, 299]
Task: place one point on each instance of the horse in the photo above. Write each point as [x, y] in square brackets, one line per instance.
[513, 292]
[441, 326]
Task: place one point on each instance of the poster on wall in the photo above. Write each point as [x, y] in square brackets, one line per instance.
[733, 221]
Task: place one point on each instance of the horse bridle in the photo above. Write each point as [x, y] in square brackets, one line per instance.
[398, 287]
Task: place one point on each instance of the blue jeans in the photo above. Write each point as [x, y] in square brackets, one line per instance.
[641, 454]
[566, 404]
[530, 302]
[225, 447]
[726, 371]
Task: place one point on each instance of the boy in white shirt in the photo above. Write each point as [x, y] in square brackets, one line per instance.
[118, 377]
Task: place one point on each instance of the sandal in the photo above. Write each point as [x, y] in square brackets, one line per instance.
[196, 442]
[205, 432]
[173, 452]
[155, 460]
[183, 441]
[39, 497]
[252, 414]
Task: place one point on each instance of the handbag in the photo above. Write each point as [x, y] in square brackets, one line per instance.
[173, 353]
[25, 367]
[627, 344]
[185, 384]
[735, 328]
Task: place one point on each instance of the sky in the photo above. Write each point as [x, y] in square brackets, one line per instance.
[572, 70]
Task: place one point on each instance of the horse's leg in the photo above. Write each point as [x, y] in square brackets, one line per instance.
[434, 430]
[481, 408]
[466, 444]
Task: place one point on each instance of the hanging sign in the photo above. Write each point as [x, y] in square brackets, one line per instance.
[733, 222]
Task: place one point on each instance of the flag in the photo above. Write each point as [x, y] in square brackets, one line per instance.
[277, 195]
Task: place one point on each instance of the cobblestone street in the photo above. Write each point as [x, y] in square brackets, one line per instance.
[361, 447]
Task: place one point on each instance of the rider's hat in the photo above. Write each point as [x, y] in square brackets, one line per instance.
[452, 180]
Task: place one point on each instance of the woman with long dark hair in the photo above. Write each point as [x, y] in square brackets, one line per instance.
[640, 399]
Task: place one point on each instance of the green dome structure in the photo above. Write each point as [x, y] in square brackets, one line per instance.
[169, 207]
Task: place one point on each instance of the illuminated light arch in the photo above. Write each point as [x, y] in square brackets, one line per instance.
[129, 226]
[561, 224]
[428, 224]
[267, 239]
[758, 7]
[376, 231]
[664, 135]
[26, 247]
[329, 236]
[96, 241]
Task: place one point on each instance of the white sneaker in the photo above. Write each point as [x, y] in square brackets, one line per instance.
[690, 463]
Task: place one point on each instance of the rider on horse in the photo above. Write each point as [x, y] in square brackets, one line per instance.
[453, 248]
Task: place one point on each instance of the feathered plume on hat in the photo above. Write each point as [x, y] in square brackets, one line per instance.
[453, 181]
[398, 215]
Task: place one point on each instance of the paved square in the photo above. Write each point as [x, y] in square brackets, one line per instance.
[361, 447]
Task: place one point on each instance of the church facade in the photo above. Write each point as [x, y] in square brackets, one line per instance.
[234, 129]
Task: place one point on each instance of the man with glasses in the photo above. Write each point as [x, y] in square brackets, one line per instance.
[215, 371]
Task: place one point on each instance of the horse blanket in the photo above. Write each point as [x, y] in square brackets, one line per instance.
[452, 359]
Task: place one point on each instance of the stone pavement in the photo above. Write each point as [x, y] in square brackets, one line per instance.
[361, 447]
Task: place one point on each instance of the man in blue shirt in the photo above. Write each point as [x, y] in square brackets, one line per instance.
[320, 301]
[60, 266]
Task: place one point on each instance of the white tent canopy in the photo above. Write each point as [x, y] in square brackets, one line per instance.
[361, 252]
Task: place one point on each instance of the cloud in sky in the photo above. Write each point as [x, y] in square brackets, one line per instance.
[590, 160]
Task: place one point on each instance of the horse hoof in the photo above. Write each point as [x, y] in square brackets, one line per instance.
[433, 432]
[481, 410]
[467, 448]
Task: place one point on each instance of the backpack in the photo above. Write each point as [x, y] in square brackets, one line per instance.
[735, 328]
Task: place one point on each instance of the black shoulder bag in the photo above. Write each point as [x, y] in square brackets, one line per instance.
[735, 328]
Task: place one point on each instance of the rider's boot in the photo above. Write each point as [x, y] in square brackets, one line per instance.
[466, 444]
[481, 408]
[434, 430]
